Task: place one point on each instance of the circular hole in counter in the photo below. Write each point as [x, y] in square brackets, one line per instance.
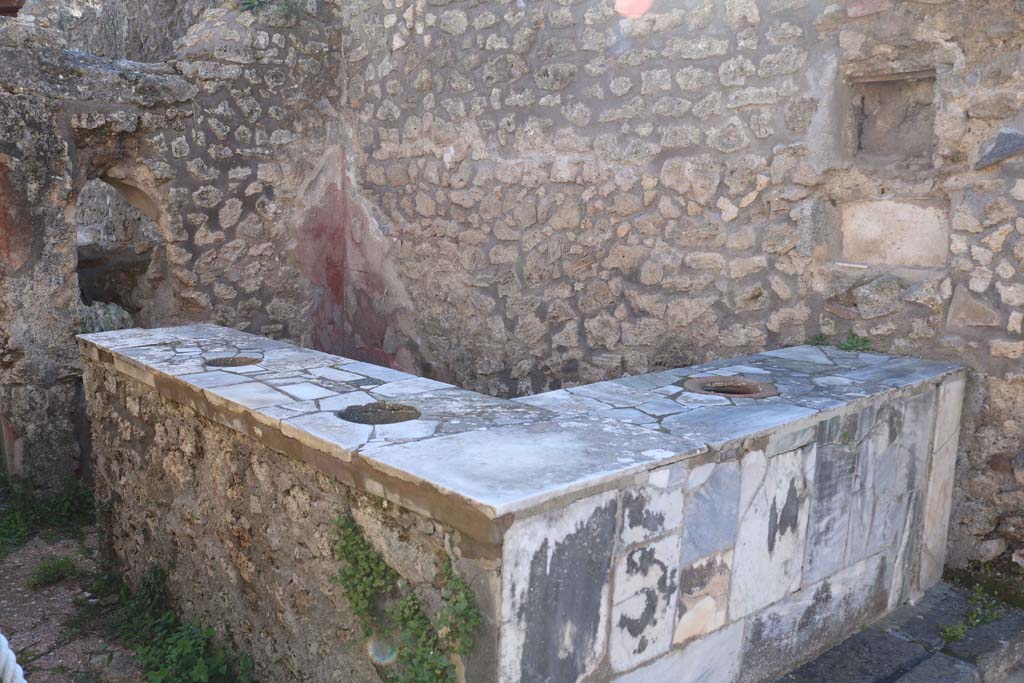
[730, 387]
[232, 361]
[379, 413]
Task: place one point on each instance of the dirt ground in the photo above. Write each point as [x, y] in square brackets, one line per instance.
[49, 628]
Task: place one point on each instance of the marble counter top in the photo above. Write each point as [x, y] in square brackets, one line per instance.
[492, 456]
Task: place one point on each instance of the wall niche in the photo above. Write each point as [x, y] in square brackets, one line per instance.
[894, 116]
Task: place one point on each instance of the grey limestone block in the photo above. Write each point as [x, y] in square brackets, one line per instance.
[940, 667]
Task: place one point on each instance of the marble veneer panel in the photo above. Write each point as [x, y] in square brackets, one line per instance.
[813, 513]
[938, 502]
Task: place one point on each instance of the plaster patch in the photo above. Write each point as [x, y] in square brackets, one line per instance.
[888, 232]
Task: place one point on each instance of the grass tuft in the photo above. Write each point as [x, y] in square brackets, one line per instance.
[854, 342]
[51, 570]
[24, 513]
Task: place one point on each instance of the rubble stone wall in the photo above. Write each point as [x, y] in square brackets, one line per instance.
[516, 197]
[581, 194]
[37, 256]
[215, 147]
[124, 29]
[115, 239]
[246, 534]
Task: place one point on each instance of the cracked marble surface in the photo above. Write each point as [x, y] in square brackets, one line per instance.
[810, 380]
[502, 455]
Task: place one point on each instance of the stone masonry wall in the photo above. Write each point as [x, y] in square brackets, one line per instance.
[115, 238]
[520, 196]
[248, 540]
[215, 147]
[582, 194]
[124, 29]
[37, 378]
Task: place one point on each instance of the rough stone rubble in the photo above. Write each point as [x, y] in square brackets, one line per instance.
[519, 198]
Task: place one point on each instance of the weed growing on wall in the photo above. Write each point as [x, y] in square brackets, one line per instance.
[820, 340]
[458, 616]
[171, 650]
[287, 8]
[23, 513]
[390, 610]
[854, 342]
[1000, 578]
[363, 575]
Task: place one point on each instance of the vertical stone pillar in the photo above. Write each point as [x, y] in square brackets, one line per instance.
[39, 371]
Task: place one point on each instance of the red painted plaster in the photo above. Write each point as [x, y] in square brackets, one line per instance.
[15, 224]
[330, 256]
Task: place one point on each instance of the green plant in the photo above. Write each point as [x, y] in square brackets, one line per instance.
[820, 340]
[854, 342]
[390, 610]
[170, 650]
[51, 570]
[364, 575]
[93, 608]
[458, 616]
[24, 513]
[88, 614]
[1000, 578]
[951, 634]
[15, 529]
[423, 656]
[185, 652]
[982, 608]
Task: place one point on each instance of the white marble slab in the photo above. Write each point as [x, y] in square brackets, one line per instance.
[499, 455]
[512, 468]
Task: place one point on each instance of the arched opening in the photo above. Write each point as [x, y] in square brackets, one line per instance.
[116, 241]
[117, 233]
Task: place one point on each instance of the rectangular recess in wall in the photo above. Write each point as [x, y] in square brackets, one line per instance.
[895, 116]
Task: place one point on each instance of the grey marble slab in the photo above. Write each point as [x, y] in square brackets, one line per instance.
[898, 372]
[717, 425]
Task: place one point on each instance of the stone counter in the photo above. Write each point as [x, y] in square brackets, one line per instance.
[669, 525]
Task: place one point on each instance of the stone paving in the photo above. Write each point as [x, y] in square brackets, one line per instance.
[906, 647]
